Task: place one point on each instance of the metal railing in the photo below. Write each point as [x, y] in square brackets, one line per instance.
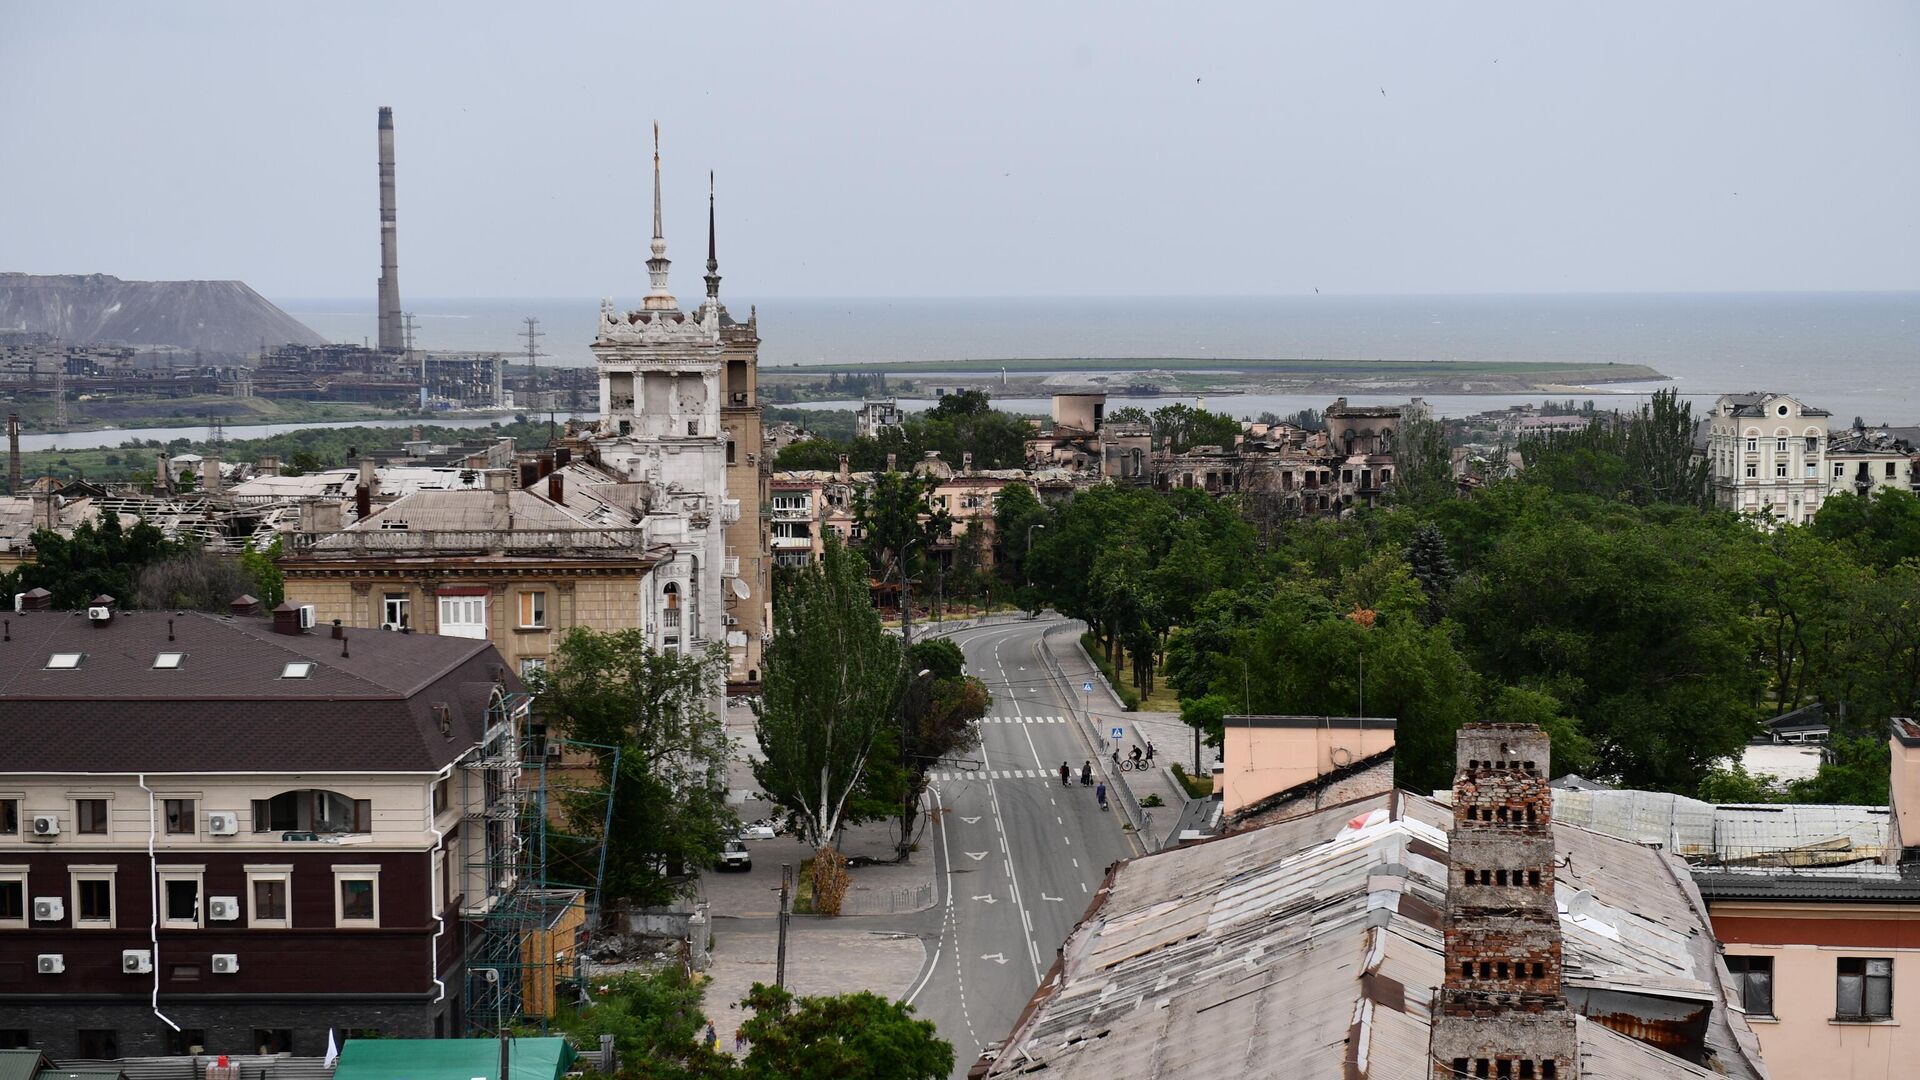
[356, 543]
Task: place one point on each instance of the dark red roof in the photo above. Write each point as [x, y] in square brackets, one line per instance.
[227, 707]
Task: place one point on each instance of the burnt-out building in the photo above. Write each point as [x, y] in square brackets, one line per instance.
[237, 832]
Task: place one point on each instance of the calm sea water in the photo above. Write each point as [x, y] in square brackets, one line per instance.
[1851, 353]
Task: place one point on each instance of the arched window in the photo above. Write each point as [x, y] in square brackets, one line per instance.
[670, 603]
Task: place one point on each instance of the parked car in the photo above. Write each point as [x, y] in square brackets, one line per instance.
[763, 829]
[734, 856]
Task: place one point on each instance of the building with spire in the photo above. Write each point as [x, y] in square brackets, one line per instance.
[680, 414]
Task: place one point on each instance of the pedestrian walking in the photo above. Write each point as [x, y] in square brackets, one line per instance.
[1149, 751]
[713, 1037]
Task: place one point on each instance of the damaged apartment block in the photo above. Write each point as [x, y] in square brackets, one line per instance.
[1502, 1010]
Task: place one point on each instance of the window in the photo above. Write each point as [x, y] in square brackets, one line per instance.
[1752, 470]
[179, 816]
[13, 896]
[184, 973]
[1753, 445]
[185, 1041]
[64, 661]
[1813, 443]
[396, 611]
[531, 664]
[15, 1039]
[1890, 472]
[312, 811]
[298, 669]
[168, 661]
[97, 1042]
[9, 817]
[533, 609]
[1754, 976]
[1780, 469]
[1863, 989]
[729, 451]
[267, 890]
[1812, 471]
[356, 895]
[693, 427]
[273, 1040]
[1780, 445]
[93, 895]
[1839, 470]
[463, 616]
[180, 896]
[90, 816]
[442, 794]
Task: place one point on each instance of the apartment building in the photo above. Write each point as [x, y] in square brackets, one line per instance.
[237, 832]
[1767, 453]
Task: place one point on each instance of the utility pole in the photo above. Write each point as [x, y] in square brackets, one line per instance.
[780, 964]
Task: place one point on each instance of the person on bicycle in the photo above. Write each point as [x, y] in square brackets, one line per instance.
[1137, 755]
[1101, 794]
[1066, 775]
[1086, 774]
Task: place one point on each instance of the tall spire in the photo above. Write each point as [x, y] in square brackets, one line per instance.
[713, 260]
[659, 297]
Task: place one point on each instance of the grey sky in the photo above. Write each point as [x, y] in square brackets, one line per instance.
[977, 149]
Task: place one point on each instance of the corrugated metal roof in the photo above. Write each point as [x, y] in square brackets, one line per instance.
[1775, 833]
[1311, 948]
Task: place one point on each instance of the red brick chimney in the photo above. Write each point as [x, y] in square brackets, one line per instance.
[1502, 1011]
[557, 487]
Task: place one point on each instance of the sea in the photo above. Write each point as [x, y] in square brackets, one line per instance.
[1853, 354]
[1850, 353]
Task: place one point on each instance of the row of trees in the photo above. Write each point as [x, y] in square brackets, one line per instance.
[140, 567]
[1598, 594]
[957, 424]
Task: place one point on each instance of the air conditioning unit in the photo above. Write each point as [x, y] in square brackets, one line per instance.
[46, 825]
[99, 614]
[306, 616]
[136, 961]
[553, 749]
[226, 963]
[49, 909]
[223, 908]
[52, 963]
[223, 823]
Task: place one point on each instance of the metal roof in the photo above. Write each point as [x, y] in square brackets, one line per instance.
[1312, 947]
[1866, 883]
[1774, 833]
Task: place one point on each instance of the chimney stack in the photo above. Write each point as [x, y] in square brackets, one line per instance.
[244, 605]
[846, 468]
[1502, 1009]
[13, 453]
[162, 475]
[557, 487]
[393, 336]
[210, 474]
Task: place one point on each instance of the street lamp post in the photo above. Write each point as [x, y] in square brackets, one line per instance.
[1029, 558]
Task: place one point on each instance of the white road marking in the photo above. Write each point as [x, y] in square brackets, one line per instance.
[974, 820]
[1044, 896]
[976, 856]
[988, 899]
[994, 956]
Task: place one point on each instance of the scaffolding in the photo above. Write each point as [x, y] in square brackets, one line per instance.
[531, 905]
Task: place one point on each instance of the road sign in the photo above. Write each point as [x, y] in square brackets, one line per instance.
[1086, 687]
[1116, 734]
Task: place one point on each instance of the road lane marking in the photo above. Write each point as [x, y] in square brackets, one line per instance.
[976, 856]
[994, 956]
[974, 820]
[988, 899]
[1055, 899]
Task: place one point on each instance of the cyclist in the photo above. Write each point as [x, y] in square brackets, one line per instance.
[1066, 775]
[1137, 755]
[1086, 774]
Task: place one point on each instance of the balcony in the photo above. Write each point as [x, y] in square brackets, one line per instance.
[417, 543]
[792, 513]
[792, 543]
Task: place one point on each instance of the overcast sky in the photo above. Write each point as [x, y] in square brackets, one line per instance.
[981, 149]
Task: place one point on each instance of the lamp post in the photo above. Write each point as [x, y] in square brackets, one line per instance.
[1029, 558]
[907, 757]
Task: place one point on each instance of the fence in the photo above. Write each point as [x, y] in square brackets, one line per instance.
[899, 900]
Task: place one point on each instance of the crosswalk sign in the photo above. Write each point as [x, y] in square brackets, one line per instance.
[1116, 734]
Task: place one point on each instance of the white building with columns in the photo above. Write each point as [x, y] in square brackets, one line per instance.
[662, 387]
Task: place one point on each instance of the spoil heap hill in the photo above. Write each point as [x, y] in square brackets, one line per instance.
[225, 318]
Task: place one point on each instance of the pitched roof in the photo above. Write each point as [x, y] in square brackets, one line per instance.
[227, 706]
[1318, 942]
[1851, 884]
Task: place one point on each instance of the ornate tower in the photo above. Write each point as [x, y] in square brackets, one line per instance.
[1502, 1011]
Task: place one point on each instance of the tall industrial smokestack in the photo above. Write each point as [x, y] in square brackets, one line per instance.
[13, 453]
[392, 334]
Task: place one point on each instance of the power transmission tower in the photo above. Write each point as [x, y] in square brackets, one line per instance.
[216, 431]
[534, 354]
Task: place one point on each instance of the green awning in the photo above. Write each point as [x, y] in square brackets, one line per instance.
[453, 1059]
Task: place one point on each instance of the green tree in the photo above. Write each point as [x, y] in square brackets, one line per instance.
[899, 520]
[1181, 427]
[860, 1036]
[1882, 529]
[961, 403]
[97, 559]
[669, 813]
[832, 682]
[656, 1021]
[263, 566]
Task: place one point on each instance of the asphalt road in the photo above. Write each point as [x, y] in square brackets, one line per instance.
[1019, 855]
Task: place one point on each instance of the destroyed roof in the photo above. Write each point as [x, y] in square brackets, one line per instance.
[1318, 942]
[1841, 884]
[1803, 834]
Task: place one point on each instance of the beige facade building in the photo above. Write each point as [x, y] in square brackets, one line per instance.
[1766, 453]
[518, 567]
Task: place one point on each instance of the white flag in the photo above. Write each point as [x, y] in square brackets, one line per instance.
[333, 1051]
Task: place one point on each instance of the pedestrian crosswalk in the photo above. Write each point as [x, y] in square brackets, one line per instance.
[996, 774]
[1023, 719]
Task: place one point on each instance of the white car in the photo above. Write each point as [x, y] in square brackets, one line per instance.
[734, 856]
[759, 830]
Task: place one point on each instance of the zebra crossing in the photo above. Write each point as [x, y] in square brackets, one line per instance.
[1023, 719]
[995, 774]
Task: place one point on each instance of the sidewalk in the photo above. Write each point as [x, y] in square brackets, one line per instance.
[823, 957]
[1172, 740]
[885, 888]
